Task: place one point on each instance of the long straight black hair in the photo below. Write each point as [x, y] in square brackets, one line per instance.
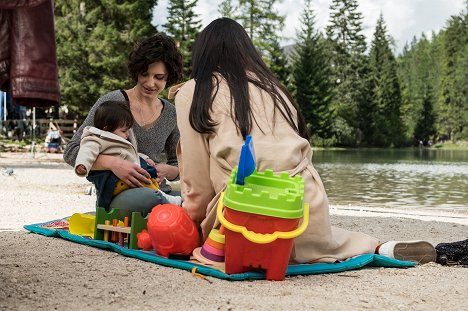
[224, 47]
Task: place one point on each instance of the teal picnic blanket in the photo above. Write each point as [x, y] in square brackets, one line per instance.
[59, 229]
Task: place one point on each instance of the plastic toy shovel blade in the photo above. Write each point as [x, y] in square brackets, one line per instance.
[82, 224]
[246, 162]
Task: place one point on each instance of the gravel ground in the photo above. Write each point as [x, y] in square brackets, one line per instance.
[40, 273]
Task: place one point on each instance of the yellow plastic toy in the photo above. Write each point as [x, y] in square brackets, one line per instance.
[82, 224]
[121, 186]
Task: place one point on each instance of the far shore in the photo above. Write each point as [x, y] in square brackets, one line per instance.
[15, 146]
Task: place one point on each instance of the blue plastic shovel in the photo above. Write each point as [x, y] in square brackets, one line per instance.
[246, 162]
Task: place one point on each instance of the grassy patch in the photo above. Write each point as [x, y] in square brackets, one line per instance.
[459, 145]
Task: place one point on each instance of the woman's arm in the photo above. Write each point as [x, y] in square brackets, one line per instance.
[170, 170]
[171, 145]
[196, 186]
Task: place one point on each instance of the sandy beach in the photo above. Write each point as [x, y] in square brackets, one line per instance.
[40, 273]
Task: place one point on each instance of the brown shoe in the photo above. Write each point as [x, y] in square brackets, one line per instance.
[418, 251]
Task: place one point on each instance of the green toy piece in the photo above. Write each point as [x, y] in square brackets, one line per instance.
[138, 224]
[265, 193]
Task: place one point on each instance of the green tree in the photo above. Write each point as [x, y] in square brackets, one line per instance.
[279, 64]
[425, 126]
[311, 76]
[403, 66]
[439, 64]
[382, 124]
[263, 24]
[183, 25]
[407, 77]
[227, 9]
[347, 47]
[453, 108]
[420, 67]
[415, 73]
[93, 41]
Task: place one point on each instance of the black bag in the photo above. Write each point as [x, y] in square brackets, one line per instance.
[454, 253]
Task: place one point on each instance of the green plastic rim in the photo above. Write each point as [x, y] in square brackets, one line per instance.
[268, 194]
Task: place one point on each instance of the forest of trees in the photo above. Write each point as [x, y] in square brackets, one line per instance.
[351, 94]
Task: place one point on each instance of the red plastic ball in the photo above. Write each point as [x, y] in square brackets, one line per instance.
[171, 230]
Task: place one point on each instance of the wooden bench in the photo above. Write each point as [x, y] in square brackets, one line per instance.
[68, 127]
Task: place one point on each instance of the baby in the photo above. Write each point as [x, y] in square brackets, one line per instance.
[112, 135]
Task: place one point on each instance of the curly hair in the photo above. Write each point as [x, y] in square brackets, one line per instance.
[157, 48]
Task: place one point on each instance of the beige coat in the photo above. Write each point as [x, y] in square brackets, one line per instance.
[206, 160]
[95, 142]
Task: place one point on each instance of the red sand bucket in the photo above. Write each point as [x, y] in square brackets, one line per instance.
[258, 242]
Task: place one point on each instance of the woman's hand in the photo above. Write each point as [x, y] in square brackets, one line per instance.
[130, 173]
[150, 162]
[166, 171]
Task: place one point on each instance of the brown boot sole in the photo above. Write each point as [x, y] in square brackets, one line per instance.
[421, 251]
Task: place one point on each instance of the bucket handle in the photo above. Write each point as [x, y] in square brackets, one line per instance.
[262, 238]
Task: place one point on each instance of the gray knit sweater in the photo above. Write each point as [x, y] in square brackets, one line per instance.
[161, 137]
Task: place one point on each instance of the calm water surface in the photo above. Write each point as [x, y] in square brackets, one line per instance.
[409, 178]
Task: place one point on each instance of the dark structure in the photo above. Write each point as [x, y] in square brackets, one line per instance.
[28, 62]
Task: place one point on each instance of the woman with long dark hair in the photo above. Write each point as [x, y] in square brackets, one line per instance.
[232, 94]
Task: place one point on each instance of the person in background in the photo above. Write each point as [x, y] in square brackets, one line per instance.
[232, 94]
[153, 64]
[53, 141]
[53, 135]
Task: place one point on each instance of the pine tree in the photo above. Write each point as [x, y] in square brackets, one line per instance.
[440, 64]
[414, 67]
[405, 80]
[279, 64]
[183, 25]
[263, 24]
[425, 127]
[405, 65]
[227, 9]
[382, 124]
[424, 63]
[453, 117]
[93, 41]
[347, 47]
[313, 87]
[251, 13]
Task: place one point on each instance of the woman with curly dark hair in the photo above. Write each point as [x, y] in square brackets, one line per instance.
[154, 64]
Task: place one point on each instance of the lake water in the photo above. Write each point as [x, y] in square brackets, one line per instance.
[422, 179]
